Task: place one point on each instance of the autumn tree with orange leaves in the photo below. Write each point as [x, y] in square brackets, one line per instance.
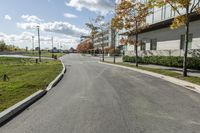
[133, 15]
[116, 25]
[85, 46]
[190, 7]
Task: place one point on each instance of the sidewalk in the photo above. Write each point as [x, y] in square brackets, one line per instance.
[191, 72]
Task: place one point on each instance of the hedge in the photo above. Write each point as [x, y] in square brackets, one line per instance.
[171, 61]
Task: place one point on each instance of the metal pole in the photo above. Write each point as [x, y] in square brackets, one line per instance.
[33, 44]
[52, 46]
[38, 27]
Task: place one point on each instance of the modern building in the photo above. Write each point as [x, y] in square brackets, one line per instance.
[108, 41]
[159, 39]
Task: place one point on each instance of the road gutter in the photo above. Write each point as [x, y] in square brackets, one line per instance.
[185, 84]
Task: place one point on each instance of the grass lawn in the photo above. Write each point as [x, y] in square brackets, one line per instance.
[43, 54]
[192, 79]
[26, 77]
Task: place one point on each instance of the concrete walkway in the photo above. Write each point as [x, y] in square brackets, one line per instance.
[191, 72]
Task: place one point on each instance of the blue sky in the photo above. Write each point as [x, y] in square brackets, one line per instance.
[63, 19]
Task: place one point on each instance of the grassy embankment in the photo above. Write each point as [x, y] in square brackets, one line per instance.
[43, 54]
[25, 78]
[192, 79]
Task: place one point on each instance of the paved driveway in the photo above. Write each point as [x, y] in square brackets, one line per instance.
[96, 98]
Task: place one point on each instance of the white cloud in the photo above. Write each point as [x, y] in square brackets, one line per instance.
[56, 27]
[31, 18]
[12, 37]
[25, 39]
[98, 6]
[21, 40]
[69, 15]
[7, 17]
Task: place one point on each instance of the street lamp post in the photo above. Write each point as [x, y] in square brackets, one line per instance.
[52, 46]
[39, 51]
[33, 44]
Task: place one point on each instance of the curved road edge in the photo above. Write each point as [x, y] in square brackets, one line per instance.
[14, 110]
[185, 84]
[57, 79]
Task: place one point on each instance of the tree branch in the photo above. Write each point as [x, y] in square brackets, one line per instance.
[194, 6]
[174, 8]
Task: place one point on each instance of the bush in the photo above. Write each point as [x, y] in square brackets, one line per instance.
[171, 61]
[111, 51]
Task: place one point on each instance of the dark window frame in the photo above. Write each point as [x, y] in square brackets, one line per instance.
[153, 44]
[182, 41]
[143, 46]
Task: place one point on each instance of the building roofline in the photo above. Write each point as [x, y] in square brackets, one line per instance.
[164, 24]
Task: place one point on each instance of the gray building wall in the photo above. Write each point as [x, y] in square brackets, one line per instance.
[168, 39]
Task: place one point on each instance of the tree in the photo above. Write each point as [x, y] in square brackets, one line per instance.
[102, 27]
[2, 46]
[182, 19]
[116, 25]
[98, 26]
[93, 30]
[133, 14]
[84, 46]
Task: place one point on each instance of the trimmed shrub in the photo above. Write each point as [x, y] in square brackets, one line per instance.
[111, 51]
[171, 61]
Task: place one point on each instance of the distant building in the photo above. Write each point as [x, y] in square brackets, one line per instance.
[108, 39]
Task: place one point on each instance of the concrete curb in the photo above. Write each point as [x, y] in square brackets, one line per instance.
[57, 79]
[9, 113]
[185, 84]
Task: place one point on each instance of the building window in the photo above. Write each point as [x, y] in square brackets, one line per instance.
[125, 48]
[143, 46]
[157, 14]
[182, 41]
[153, 44]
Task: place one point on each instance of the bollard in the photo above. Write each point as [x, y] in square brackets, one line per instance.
[5, 78]
[55, 57]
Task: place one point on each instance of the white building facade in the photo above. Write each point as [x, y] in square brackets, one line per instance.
[159, 39]
[108, 39]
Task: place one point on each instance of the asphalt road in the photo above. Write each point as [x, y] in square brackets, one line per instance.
[96, 98]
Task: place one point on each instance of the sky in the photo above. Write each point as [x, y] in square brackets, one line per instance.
[63, 19]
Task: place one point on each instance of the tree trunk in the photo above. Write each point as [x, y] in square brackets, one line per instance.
[114, 55]
[102, 47]
[93, 45]
[136, 50]
[186, 43]
[114, 59]
[102, 53]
